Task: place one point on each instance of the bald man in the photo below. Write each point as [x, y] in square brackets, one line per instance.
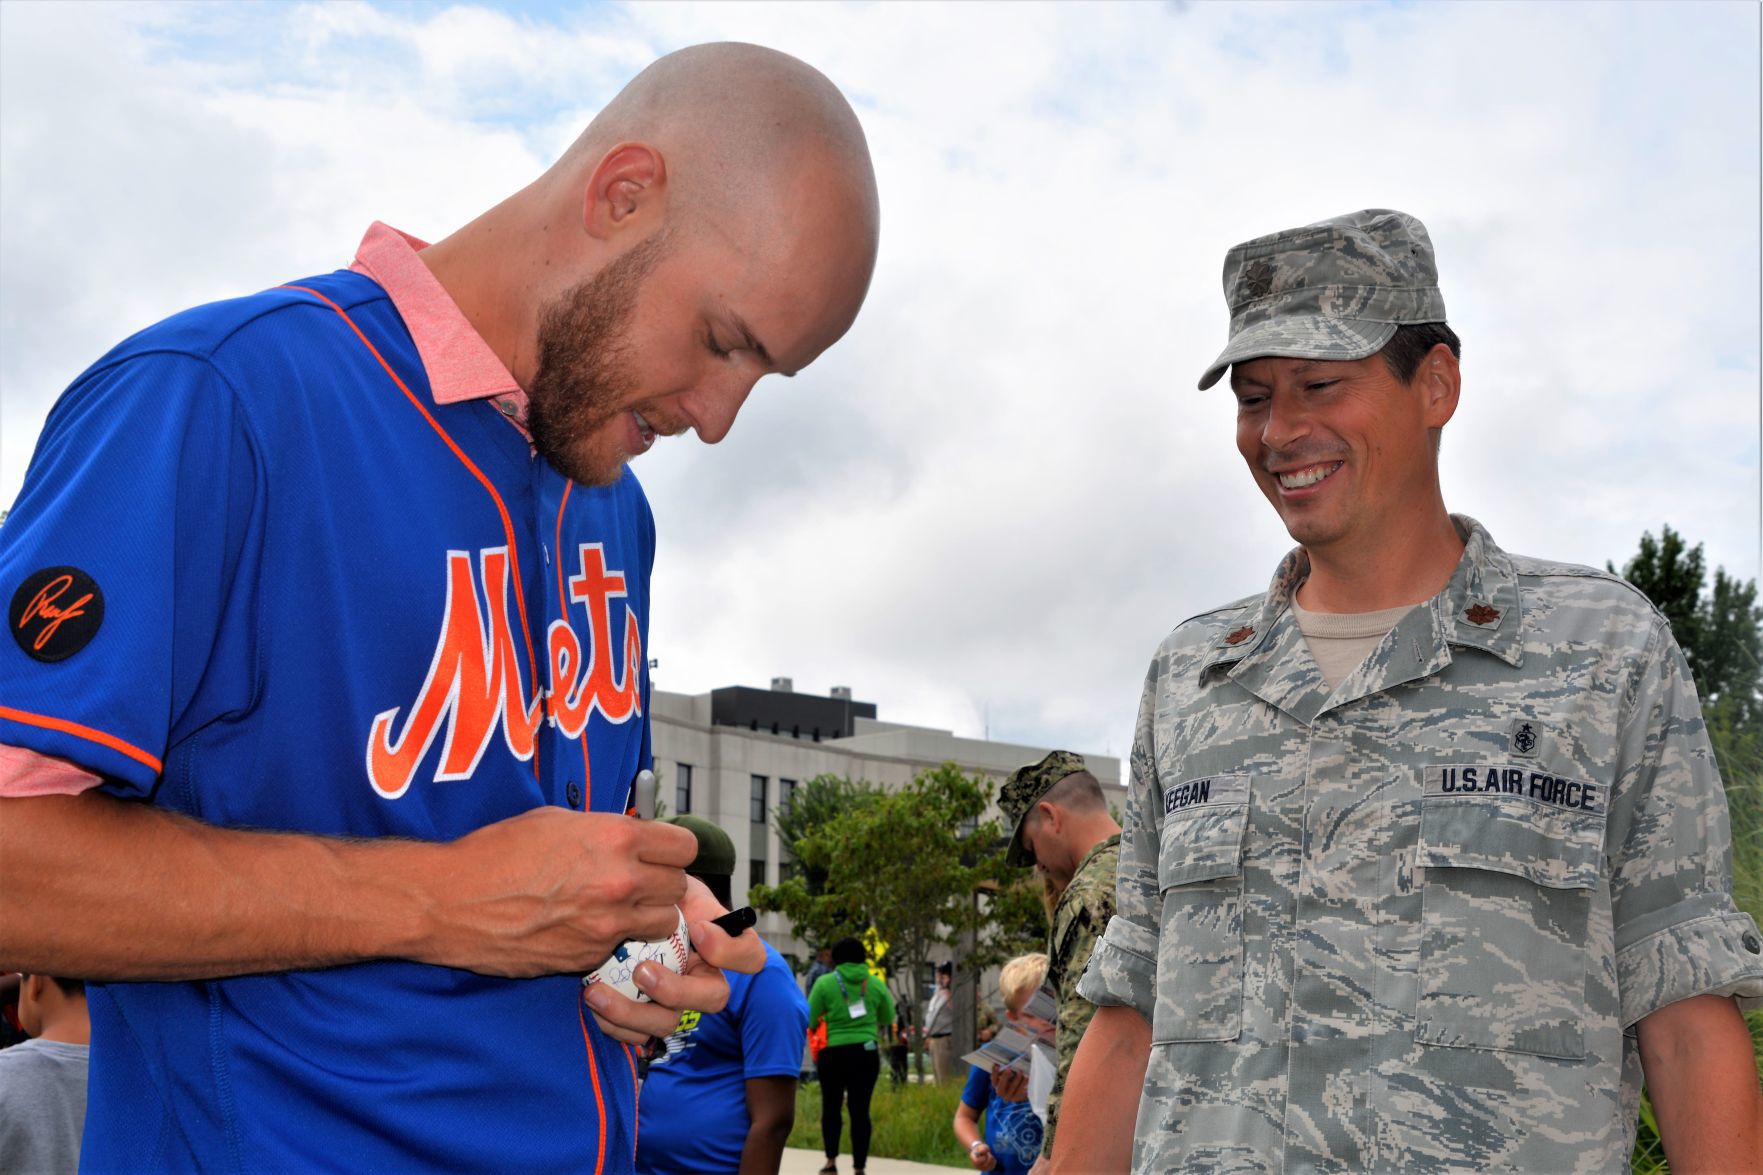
[327, 680]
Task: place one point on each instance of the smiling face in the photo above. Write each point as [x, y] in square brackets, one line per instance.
[1342, 449]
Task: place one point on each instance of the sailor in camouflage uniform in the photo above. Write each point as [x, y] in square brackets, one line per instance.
[1062, 823]
[1426, 860]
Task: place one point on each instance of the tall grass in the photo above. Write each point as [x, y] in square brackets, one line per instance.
[910, 1121]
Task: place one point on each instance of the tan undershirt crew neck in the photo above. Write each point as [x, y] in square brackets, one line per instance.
[1340, 641]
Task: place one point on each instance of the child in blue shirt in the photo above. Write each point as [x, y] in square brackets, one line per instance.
[1012, 1138]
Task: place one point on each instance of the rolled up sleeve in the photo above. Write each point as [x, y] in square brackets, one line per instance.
[1678, 932]
[1123, 969]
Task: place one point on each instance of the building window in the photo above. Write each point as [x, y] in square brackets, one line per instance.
[682, 790]
[756, 813]
[755, 872]
[786, 795]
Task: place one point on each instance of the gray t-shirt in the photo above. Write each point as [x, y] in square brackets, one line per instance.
[42, 1106]
[1340, 641]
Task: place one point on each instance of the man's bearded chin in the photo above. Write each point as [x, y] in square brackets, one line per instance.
[584, 373]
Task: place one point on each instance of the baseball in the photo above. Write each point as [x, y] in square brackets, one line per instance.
[615, 972]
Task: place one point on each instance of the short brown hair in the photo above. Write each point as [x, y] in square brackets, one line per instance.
[1414, 342]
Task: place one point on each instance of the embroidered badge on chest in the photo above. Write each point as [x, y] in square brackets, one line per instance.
[1524, 735]
[55, 613]
[1497, 782]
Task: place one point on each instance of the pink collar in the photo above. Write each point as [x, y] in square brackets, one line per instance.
[460, 365]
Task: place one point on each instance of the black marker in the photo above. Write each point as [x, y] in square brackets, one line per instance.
[735, 921]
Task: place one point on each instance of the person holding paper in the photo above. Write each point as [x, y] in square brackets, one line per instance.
[1013, 1131]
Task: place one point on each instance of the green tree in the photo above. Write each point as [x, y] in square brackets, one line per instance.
[819, 917]
[908, 864]
[1671, 575]
[1732, 652]
[1016, 918]
[1720, 631]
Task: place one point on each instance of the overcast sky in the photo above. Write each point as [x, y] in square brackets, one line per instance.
[984, 507]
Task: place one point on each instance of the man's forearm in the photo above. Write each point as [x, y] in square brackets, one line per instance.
[100, 888]
[1102, 1094]
[105, 889]
[1702, 1075]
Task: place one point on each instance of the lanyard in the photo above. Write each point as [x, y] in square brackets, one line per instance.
[862, 991]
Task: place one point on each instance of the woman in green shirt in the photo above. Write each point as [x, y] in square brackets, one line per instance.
[856, 1009]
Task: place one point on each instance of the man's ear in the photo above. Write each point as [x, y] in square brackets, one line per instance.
[628, 187]
[1438, 379]
[1052, 817]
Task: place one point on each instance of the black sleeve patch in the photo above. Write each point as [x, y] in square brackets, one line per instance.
[55, 613]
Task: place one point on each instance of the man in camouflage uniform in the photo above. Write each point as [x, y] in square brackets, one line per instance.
[1061, 823]
[1426, 857]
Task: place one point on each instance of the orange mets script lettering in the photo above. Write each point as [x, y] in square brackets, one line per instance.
[473, 687]
[577, 688]
[43, 606]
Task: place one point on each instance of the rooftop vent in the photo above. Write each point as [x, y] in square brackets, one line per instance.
[783, 685]
[841, 692]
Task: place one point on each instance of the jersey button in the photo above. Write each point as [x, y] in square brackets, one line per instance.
[575, 795]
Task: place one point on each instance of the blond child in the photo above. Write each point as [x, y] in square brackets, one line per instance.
[1012, 1134]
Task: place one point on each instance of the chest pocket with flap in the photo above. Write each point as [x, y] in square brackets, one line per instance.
[1200, 879]
[1512, 863]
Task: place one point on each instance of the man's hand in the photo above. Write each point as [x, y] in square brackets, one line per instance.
[700, 988]
[554, 891]
[982, 1158]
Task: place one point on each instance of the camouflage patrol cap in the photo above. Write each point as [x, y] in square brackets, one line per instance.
[716, 852]
[1024, 789]
[1336, 289]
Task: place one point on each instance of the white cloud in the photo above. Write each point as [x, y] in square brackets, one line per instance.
[989, 501]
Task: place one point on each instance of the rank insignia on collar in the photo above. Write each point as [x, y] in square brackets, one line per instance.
[1481, 614]
[1240, 635]
[1524, 736]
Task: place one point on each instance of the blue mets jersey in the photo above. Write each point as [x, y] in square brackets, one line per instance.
[257, 575]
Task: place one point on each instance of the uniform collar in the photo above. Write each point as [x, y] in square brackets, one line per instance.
[1089, 858]
[1096, 850]
[459, 364]
[1478, 609]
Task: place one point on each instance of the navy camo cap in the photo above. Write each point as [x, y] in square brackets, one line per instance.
[1336, 289]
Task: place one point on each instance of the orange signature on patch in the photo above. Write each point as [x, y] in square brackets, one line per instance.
[43, 607]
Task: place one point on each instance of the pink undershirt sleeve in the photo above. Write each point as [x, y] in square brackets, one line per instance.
[26, 773]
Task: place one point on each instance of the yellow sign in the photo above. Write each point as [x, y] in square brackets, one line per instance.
[876, 950]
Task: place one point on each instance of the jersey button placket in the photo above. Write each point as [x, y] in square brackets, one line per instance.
[574, 794]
